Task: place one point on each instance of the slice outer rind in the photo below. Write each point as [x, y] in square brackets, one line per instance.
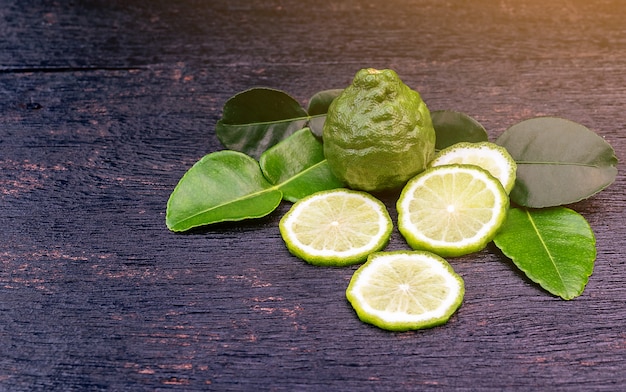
[451, 210]
[405, 290]
[489, 156]
[336, 227]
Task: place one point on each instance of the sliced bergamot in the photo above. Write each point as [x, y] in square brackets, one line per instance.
[490, 156]
[336, 228]
[451, 210]
[405, 290]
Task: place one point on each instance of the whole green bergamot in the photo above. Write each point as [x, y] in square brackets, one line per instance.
[378, 133]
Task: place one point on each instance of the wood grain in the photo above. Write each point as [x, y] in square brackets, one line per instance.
[105, 104]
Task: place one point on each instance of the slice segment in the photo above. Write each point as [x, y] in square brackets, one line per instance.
[405, 290]
[336, 228]
[451, 210]
[490, 156]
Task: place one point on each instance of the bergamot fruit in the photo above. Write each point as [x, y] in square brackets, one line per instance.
[402, 290]
[378, 132]
[490, 156]
[336, 228]
[451, 210]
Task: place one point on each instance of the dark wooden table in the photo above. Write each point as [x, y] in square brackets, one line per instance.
[105, 104]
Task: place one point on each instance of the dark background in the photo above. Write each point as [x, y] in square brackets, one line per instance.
[105, 104]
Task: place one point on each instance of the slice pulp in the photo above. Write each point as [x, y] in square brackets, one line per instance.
[405, 290]
[451, 210]
[336, 228]
[490, 156]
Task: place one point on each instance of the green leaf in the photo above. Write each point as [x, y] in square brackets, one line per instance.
[318, 107]
[554, 247]
[316, 124]
[222, 186]
[256, 119]
[558, 161]
[297, 166]
[453, 127]
[320, 101]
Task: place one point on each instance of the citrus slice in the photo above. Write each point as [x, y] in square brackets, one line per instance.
[451, 210]
[490, 156]
[405, 290]
[336, 228]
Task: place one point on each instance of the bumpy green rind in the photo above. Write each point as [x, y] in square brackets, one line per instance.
[378, 132]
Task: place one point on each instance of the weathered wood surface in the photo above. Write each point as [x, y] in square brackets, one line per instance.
[105, 104]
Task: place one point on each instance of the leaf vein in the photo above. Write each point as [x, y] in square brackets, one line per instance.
[242, 198]
[545, 246]
[269, 122]
[299, 174]
[557, 163]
